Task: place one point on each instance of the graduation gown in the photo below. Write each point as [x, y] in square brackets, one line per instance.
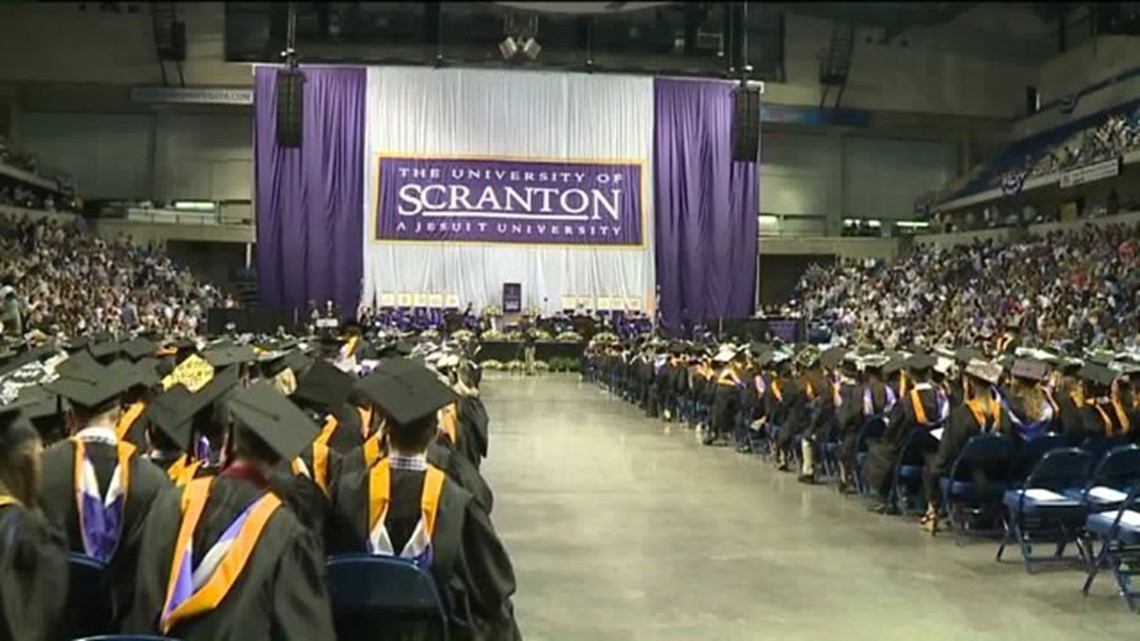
[473, 421]
[962, 425]
[469, 563]
[884, 454]
[1104, 419]
[726, 402]
[33, 574]
[279, 594]
[346, 435]
[146, 484]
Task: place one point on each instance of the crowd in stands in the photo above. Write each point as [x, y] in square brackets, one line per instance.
[1081, 285]
[19, 194]
[59, 278]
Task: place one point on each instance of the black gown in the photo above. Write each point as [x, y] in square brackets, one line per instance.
[469, 563]
[884, 454]
[347, 435]
[33, 575]
[147, 483]
[473, 423]
[280, 594]
[961, 426]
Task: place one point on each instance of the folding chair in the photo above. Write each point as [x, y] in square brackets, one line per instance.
[1098, 446]
[1116, 475]
[1041, 512]
[829, 452]
[872, 428]
[88, 599]
[908, 473]
[1027, 454]
[125, 637]
[1119, 534]
[966, 500]
[378, 596]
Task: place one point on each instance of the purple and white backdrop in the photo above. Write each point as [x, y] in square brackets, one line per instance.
[587, 190]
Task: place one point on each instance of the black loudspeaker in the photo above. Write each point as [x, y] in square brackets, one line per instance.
[290, 93]
[746, 124]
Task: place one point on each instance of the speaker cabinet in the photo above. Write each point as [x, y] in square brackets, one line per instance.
[290, 98]
[746, 124]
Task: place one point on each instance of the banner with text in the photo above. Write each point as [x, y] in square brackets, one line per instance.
[565, 202]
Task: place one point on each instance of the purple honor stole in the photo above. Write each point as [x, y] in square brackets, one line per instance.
[418, 549]
[101, 516]
[192, 591]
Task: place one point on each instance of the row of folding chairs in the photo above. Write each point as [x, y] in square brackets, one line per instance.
[372, 597]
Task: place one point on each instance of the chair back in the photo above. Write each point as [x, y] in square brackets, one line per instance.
[918, 442]
[872, 428]
[1029, 453]
[982, 452]
[1062, 469]
[125, 637]
[1119, 469]
[89, 608]
[1098, 446]
[370, 593]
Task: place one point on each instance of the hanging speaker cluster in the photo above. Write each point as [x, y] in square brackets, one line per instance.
[290, 98]
[746, 124]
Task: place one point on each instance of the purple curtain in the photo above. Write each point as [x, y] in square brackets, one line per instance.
[309, 200]
[706, 206]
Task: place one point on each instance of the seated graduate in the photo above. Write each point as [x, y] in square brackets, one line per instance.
[726, 396]
[131, 426]
[923, 407]
[982, 413]
[824, 410]
[324, 391]
[223, 558]
[755, 384]
[99, 489]
[404, 506]
[856, 405]
[1032, 412]
[33, 552]
[465, 421]
[178, 421]
[1103, 413]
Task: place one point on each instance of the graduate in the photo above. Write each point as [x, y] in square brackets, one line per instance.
[324, 393]
[96, 488]
[824, 409]
[178, 420]
[33, 552]
[807, 384]
[405, 506]
[923, 407]
[223, 558]
[726, 397]
[982, 413]
[465, 421]
[1033, 413]
[1103, 414]
[855, 406]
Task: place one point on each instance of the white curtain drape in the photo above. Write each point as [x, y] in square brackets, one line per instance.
[510, 114]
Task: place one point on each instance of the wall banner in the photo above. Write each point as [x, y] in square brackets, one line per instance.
[499, 200]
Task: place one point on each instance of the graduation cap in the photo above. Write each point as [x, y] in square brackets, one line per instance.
[1005, 361]
[1098, 375]
[75, 344]
[283, 426]
[1100, 358]
[172, 413]
[808, 356]
[763, 353]
[139, 348]
[1030, 369]
[894, 364]
[229, 355]
[405, 390]
[726, 353]
[324, 386]
[832, 356]
[12, 418]
[874, 361]
[105, 350]
[943, 365]
[984, 371]
[93, 385]
[76, 360]
[966, 354]
[921, 361]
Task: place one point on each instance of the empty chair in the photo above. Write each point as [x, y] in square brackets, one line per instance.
[380, 597]
[976, 484]
[1116, 475]
[1042, 512]
[88, 609]
[1098, 446]
[1118, 532]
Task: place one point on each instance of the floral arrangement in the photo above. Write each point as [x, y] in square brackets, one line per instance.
[463, 335]
[492, 365]
[492, 335]
[513, 335]
[515, 366]
[541, 366]
[532, 310]
[542, 335]
[606, 338]
[493, 311]
[430, 334]
[569, 337]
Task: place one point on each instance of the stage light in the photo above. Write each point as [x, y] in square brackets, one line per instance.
[531, 48]
[508, 48]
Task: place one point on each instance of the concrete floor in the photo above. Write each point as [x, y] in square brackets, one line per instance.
[622, 528]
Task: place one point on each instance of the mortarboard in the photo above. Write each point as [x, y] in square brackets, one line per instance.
[76, 360]
[229, 355]
[874, 361]
[105, 350]
[1098, 374]
[93, 385]
[283, 426]
[808, 356]
[139, 348]
[943, 365]
[405, 390]
[968, 353]
[832, 357]
[984, 370]
[894, 364]
[324, 386]
[13, 417]
[921, 361]
[1029, 369]
[172, 412]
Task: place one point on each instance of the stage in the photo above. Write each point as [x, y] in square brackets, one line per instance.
[507, 351]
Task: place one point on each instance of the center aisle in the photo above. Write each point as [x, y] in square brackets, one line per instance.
[622, 527]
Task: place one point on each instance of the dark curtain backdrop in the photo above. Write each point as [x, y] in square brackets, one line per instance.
[309, 200]
[706, 205]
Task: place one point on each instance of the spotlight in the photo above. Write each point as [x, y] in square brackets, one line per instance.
[508, 48]
[531, 48]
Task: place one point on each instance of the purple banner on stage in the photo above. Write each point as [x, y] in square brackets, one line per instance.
[563, 202]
